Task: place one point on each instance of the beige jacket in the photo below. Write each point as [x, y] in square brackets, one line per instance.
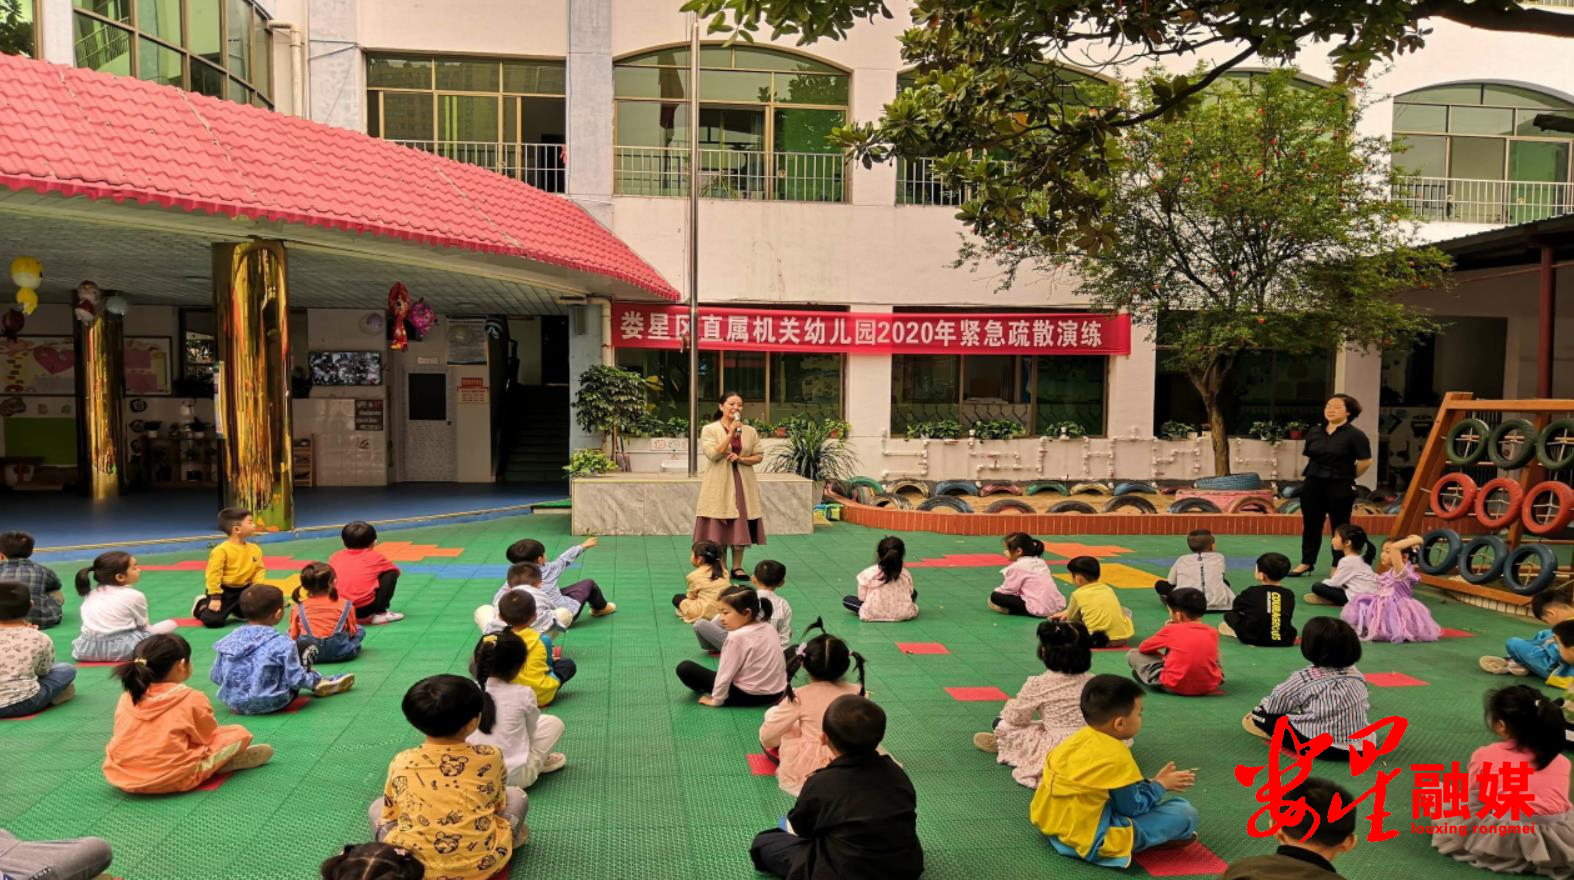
[716, 492]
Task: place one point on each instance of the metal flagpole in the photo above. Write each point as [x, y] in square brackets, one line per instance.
[694, 246]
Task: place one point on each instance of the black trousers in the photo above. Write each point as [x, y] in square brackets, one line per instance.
[586, 592]
[773, 851]
[702, 680]
[1013, 604]
[1336, 595]
[564, 669]
[1320, 500]
[229, 606]
[387, 582]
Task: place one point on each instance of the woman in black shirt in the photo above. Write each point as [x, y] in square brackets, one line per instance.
[1336, 453]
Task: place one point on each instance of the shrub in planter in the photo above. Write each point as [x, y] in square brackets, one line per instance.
[996, 429]
[1295, 430]
[589, 462]
[1176, 431]
[942, 429]
[1065, 430]
[811, 452]
[1272, 432]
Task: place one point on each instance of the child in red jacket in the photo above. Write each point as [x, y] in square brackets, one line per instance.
[1183, 656]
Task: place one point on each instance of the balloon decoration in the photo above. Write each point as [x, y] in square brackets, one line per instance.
[398, 310]
[422, 319]
[87, 303]
[11, 324]
[27, 273]
[117, 305]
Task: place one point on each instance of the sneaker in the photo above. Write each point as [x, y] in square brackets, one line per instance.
[564, 617]
[986, 742]
[1314, 599]
[1515, 668]
[68, 693]
[997, 609]
[1250, 726]
[1494, 665]
[610, 607]
[554, 763]
[391, 616]
[330, 686]
[377, 619]
[254, 756]
[522, 837]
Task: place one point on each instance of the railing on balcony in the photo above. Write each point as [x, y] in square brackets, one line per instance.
[1503, 202]
[917, 183]
[1568, 4]
[732, 174]
[543, 166]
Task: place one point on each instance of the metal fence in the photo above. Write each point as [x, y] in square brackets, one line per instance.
[1484, 201]
[543, 166]
[918, 184]
[732, 174]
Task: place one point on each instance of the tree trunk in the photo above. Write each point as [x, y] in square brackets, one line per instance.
[1209, 383]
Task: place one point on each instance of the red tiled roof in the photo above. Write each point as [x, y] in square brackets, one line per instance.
[81, 133]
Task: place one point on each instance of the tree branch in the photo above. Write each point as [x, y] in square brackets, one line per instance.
[1480, 15]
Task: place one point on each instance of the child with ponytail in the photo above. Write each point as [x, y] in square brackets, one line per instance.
[885, 589]
[791, 730]
[166, 739]
[752, 671]
[511, 719]
[323, 620]
[114, 612]
[1353, 575]
[1029, 589]
[1529, 728]
[1393, 613]
[1054, 697]
[706, 583]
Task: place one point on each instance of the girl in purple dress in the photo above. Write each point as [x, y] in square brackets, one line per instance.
[1393, 613]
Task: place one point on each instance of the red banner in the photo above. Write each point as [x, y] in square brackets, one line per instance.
[1070, 333]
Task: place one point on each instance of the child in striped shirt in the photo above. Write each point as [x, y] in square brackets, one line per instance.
[1329, 696]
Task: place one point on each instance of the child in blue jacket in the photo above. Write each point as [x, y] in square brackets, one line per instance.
[258, 669]
[1538, 656]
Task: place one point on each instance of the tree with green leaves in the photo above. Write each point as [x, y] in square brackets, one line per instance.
[1257, 220]
[16, 27]
[996, 77]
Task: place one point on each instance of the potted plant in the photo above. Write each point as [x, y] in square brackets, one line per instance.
[1271, 432]
[811, 452]
[941, 429]
[1295, 430]
[589, 463]
[996, 429]
[677, 426]
[1067, 429]
[1173, 430]
[839, 428]
[610, 402]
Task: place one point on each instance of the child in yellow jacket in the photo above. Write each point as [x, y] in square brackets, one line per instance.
[233, 566]
[706, 582]
[542, 672]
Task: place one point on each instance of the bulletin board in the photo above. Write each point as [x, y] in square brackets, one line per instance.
[45, 366]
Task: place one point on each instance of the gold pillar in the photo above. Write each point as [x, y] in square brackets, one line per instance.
[253, 408]
[101, 438]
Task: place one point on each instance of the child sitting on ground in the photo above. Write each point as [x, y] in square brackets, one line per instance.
[364, 576]
[512, 720]
[1307, 847]
[1055, 697]
[1529, 728]
[257, 668]
[233, 565]
[446, 800]
[1029, 588]
[1353, 575]
[752, 671]
[885, 589]
[1183, 656]
[1563, 633]
[1393, 613]
[1202, 569]
[1095, 605]
[791, 729]
[1329, 696]
[706, 582]
[769, 576]
[372, 861]
[526, 578]
[1538, 655]
[114, 612]
[166, 739]
[30, 679]
[322, 620]
[542, 672]
[43, 585]
[1263, 612]
[574, 597]
[857, 816]
[1093, 802]
[80, 858]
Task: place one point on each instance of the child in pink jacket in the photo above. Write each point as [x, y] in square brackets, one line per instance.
[791, 732]
[885, 590]
[1029, 589]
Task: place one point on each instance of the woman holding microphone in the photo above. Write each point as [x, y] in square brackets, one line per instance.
[729, 511]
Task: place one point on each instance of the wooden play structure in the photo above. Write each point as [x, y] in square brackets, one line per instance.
[1505, 538]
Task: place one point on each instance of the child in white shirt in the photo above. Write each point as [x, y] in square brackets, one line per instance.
[1353, 575]
[1202, 570]
[511, 719]
[114, 612]
[769, 576]
[524, 576]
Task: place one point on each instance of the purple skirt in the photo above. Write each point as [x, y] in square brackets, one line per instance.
[738, 532]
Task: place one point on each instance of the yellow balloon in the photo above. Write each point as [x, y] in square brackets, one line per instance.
[28, 298]
[27, 272]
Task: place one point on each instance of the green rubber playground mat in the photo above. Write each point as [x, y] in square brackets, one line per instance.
[657, 786]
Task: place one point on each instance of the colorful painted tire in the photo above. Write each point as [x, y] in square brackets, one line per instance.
[918, 486]
[1046, 486]
[864, 495]
[1170, 487]
[870, 483]
[1194, 505]
[1478, 570]
[1453, 496]
[1498, 502]
[1514, 576]
[891, 499]
[1090, 488]
[999, 489]
[1446, 540]
[1290, 490]
[1466, 443]
[1555, 446]
[1292, 505]
[1548, 508]
[1230, 483]
[1130, 502]
[1512, 444]
[1129, 488]
[1009, 505]
[946, 502]
[1252, 504]
[1072, 507]
[956, 487]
